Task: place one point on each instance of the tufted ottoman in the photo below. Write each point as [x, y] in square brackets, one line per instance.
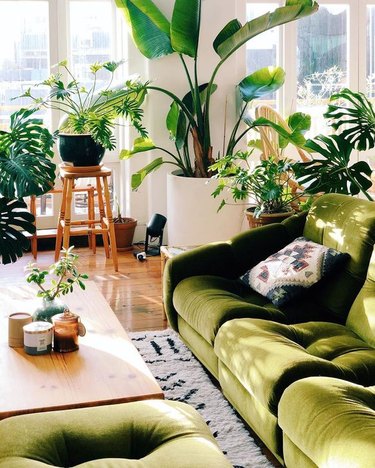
[337, 428]
[143, 434]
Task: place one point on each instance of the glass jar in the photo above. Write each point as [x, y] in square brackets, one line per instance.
[67, 328]
[47, 309]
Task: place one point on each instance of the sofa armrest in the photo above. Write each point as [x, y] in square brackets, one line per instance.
[227, 259]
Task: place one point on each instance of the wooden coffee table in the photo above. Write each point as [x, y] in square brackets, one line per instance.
[107, 368]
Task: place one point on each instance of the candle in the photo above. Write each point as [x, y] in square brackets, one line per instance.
[16, 322]
[65, 338]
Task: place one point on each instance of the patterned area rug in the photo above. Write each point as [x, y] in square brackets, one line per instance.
[182, 378]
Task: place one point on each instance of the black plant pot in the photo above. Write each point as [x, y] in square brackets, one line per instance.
[80, 150]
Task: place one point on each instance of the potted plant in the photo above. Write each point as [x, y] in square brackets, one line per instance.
[87, 128]
[63, 275]
[124, 230]
[26, 168]
[189, 119]
[268, 186]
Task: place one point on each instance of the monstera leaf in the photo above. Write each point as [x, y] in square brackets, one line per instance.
[14, 218]
[332, 172]
[357, 118]
[26, 168]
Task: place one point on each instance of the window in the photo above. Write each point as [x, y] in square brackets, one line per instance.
[322, 53]
[37, 34]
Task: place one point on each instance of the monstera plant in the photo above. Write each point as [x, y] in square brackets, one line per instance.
[189, 120]
[331, 169]
[26, 168]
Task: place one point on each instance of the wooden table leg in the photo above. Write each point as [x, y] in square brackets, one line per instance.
[59, 233]
[68, 210]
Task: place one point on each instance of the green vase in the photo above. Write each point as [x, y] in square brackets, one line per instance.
[48, 309]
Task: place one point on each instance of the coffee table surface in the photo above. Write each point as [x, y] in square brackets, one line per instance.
[106, 369]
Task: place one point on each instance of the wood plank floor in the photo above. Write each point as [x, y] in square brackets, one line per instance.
[134, 292]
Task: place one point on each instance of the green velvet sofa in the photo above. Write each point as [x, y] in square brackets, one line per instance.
[255, 349]
[337, 428]
[143, 434]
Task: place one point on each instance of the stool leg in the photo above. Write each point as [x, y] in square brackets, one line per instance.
[111, 227]
[102, 215]
[59, 233]
[68, 209]
[91, 210]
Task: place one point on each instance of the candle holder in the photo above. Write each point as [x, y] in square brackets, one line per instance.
[67, 328]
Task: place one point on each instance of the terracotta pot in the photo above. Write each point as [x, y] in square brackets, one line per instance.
[124, 233]
[265, 218]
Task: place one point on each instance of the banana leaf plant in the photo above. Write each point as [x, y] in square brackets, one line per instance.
[189, 119]
[26, 168]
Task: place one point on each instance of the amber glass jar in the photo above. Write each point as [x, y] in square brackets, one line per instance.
[66, 332]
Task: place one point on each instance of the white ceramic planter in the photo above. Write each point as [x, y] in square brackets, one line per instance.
[192, 213]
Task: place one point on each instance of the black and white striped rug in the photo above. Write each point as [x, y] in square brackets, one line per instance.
[182, 378]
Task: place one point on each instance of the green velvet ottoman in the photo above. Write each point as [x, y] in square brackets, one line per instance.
[154, 433]
[328, 423]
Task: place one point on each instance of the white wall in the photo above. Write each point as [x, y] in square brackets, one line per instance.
[167, 72]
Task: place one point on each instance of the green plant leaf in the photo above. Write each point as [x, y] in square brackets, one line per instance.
[185, 26]
[177, 125]
[149, 27]
[332, 172]
[299, 122]
[140, 145]
[14, 218]
[262, 82]
[229, 29]
[140, 175]
[292, 11]
[356, 120]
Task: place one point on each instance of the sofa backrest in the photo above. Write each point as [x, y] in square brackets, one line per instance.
[346, 224]
[361, 317]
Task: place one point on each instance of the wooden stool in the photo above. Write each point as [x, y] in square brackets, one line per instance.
[49, 233]
[103, 226]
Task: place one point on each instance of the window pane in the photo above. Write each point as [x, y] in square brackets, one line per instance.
[262, 50]
[322, 61]
[370, 59]
[91, 41]
[24, 56]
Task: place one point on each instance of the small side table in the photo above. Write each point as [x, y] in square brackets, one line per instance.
[91, 227]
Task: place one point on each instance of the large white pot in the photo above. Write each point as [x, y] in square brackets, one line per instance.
[192, 212]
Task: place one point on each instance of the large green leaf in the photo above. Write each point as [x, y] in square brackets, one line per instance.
[13, 219]
[176, 125]
[357, 119]
[26, 167]
[332, 172]
[140, 175]
[228, 31]
[23, 174]
[149, 27]
[140, 145]
[185, 26]
[262, 82]
[292, 11]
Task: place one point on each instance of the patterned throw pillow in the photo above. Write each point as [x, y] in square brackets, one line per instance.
[296, 267]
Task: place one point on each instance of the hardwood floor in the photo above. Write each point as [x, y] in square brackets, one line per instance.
[133, 293]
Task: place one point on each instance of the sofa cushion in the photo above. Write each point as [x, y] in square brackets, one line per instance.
[338, 423]
[346, 224]
[287, 273]
[206, 302]
[266, 357]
